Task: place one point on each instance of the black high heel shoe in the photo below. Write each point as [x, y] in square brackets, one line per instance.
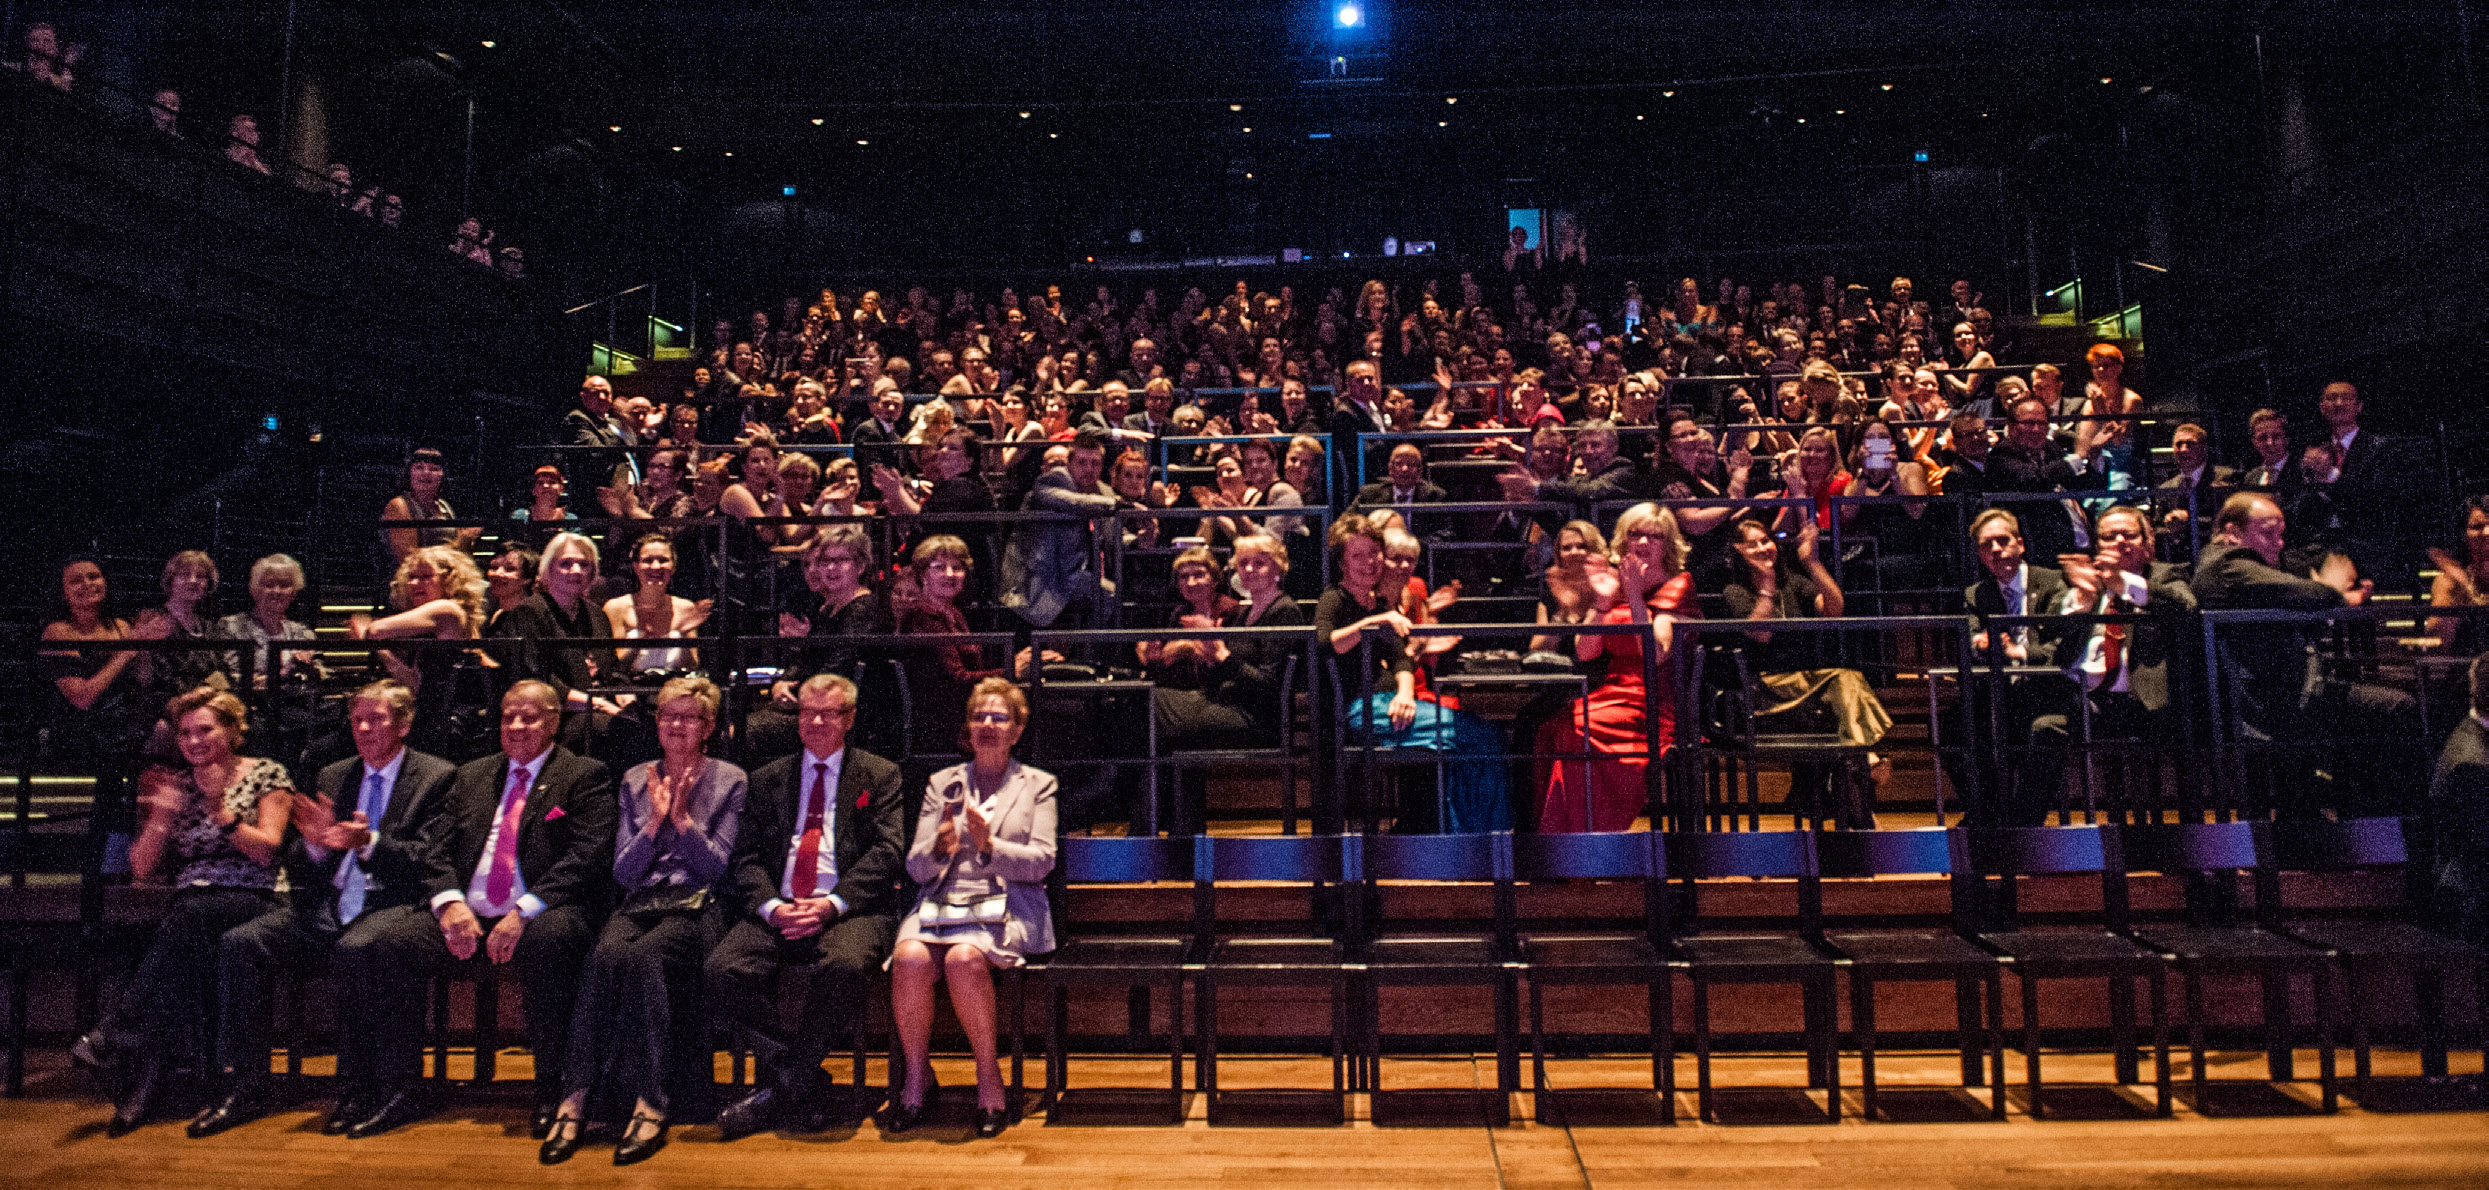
[561, 1141]
[635, 1149]
[136, 1098]
[991, 1121]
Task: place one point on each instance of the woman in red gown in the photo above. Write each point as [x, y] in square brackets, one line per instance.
[1646, 584]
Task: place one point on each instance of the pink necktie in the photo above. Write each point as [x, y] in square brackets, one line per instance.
[505, 869]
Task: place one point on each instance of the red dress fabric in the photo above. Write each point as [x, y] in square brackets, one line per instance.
[1615, 711]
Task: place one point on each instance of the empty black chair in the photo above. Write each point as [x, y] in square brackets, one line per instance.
[1759, 956]
[1394, 953]
[1314, 954]
[2095, 945]
[1632, 955]
[2366, 948]
[2212, 940]
[1096, 956]
[1942, 952]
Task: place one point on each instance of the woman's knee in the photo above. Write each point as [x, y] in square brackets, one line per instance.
[913, 957]
[965, 962]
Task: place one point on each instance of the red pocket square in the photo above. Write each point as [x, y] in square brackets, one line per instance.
[863, 799]
[555, 812]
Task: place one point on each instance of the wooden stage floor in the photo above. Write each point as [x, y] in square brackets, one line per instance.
[1431, 1133]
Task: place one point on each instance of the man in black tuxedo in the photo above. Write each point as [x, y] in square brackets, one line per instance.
[360, 850]
[2000, 714]
[1406, 487]
[2028, 461]
[2123, 670]
[880, 435]
[522, 850]
[2195, 488]
[2459, 819]
[817, 891]
[1358, 409]
[2367, 487]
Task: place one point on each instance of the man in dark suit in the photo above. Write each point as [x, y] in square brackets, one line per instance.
[360, 850]
[594, 423]
[2366, 487]
[2275, 686]
[817, 873]
[2191, 493]
[2122, 670]
[2459, 819]
[522, 872]
[1357, 411]
[2028, 461]
[880, 435]
[1053, 567]
[2009, 585]
[1406, 487]
[1156, 418]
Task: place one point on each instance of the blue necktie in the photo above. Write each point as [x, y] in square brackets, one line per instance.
[350, 878]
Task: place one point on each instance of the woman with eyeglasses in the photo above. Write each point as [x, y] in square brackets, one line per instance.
[984, 844]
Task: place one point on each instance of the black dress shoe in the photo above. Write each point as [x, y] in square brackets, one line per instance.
[236, 1109]
[755, 1112]
[397, 1111]
[135, 1099]
[562, 1141]
[540, 1123]
[92, 1052]
[635, 1149]
[122, 1125]
[901, 1117]
[351, 1110]
[991, 1121]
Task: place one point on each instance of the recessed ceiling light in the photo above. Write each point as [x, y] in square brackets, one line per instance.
[1248, 177]
[1887, 86]
[678, 148]
[2106, 80]
[1248, 128]
[1801, 119]
[730, 152]
[1840, 111]
[1667, 94]
[613, 128]
[862, 141]
[1024, 115]
[1637, 117]
[1235, 107]
[1054, 136]
[1443, 123]
[1451, 99]
[816, 122]
[488, 43]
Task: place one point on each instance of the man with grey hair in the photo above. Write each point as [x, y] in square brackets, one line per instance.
[521, 874]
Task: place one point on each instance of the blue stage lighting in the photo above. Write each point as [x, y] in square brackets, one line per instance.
[1348, 16]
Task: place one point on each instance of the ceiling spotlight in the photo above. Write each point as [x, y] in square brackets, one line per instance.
[816, 121]
[1248, 177]
[1887, 86]
[1801, 119]
[1637, 117]
[1348, 16]
[1024, 115]
[613, 128]
[1248, 127]
[862, 141]
[1667, 94]
[730, 152]
[678, 148]
[1443, 123]
[2106, 80]
[1451, 99]
[1054, 136]
[1235, 107]
[1840, 111]
[488, 43]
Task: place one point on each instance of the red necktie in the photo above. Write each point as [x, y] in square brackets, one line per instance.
[2112, 645]
[807, 873]
[505, 870]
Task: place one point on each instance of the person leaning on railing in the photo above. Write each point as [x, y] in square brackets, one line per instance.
[438, 595]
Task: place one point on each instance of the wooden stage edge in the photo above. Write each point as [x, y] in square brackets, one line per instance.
[1427, 1131]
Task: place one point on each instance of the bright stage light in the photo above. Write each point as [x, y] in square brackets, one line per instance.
[1348, 16]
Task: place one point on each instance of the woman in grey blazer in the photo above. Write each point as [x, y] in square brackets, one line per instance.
[984, 844]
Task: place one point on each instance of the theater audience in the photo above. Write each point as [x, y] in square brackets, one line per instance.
[544, 623]
[547, 508]
[2275, 470]
[242, 147]
[2462, 576]
[509, 579]
[1626, 713]
[1898, 531]
[674, 835]
[1053, 568]
[2018, 782]
[984, 842]
[218, 823]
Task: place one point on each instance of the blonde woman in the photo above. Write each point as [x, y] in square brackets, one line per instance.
[439, 595]
[1644, 583]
